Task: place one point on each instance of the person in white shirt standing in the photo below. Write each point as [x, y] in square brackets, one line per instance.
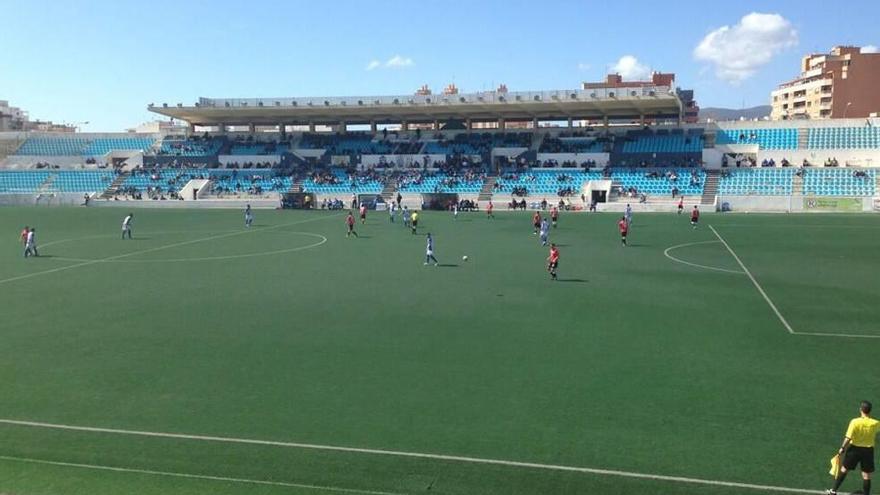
[126, 226]
[30, 244]
[248, 216]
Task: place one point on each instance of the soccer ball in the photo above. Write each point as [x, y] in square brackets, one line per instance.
[464, 258]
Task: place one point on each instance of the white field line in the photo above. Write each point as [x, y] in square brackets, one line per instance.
[158, 248]
[776, 310]
[850, 335]
[752, 278]
[217, 258]
[697, 265]
[227, 479]
[417, 455]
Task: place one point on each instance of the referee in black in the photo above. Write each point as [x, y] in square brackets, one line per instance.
[858, 448]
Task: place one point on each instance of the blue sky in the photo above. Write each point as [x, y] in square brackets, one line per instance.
[104, 61]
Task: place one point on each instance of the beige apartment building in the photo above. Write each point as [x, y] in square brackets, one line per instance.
[839, 84]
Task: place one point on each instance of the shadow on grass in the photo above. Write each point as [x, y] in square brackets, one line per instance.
[573, 280]
[448, 265]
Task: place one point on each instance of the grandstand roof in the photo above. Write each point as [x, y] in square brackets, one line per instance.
[583, 104]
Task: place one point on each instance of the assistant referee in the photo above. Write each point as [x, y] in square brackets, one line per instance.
[858, 448]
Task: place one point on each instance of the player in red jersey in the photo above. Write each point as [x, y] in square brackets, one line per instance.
[349, 220]
[680, 204]
[553, 261]
[489, 209]
[363, 214]
[536, 222]
[24, 234]
[695, 216]
[554, 216]
[623, 227]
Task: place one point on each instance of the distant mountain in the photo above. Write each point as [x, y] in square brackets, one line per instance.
[758, 112]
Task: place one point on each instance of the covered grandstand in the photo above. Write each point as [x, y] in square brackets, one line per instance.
[602, 145]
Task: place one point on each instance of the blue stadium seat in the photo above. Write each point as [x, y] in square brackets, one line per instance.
[767, 138]
[664, 143]
[545, 182]
[26, 181]
[82, 180]
[839, 182]
[342, 184]
[756, 181]
[843, 138]
[662, 185]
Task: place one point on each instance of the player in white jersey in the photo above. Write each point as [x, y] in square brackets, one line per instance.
[392, 209]
[455, 211]
[30, 244]
[545, 231]
[126, 225]
[628, 215]
[248, 216]
[429, 250]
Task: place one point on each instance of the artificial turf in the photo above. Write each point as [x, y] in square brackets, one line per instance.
[630, 362]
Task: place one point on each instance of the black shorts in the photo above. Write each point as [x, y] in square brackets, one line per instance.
[859, 456]
[553, 265]
[695, 220]
[415, 223]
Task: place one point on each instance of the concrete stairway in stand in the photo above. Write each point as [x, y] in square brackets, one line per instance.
[797, 185]
[389, 190]
[297, 185]
[710, 188]
[115, 185]
[488, 189]
[803, 138]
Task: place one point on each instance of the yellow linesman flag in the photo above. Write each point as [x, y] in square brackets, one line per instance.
[835, 466]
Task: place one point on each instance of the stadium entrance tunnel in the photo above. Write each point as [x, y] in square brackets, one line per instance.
[439, 201]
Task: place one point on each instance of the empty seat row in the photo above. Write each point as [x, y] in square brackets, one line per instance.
[843, 137]
[767, 138]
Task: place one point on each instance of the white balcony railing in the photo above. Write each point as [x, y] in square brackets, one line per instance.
[487, 98]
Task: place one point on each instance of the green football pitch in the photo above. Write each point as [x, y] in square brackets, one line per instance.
[205, 358]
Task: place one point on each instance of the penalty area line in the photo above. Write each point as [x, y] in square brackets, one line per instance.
[158, 248]
[776, 310]
[752, 278]
[416, 455]
[206, 477]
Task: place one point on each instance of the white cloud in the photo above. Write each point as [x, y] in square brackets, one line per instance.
[584, 67]
[394, 62]
[870, 49]
[630, 68]
[398, 61]
[738, 51]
